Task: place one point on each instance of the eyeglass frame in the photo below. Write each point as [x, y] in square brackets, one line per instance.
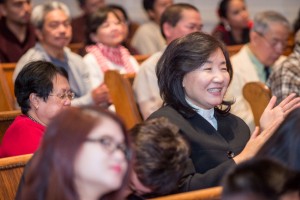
[112, 146]
[68, 94]
[273, 46]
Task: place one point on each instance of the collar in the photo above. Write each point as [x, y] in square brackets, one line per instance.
[259, 67]
[206, 114]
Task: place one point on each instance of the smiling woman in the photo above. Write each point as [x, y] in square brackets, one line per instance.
[104, 35]
[193, 75]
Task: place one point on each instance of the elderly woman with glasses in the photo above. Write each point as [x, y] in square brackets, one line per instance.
[42, 90]
[86, 160]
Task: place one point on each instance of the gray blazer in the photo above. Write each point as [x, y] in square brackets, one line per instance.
[77, 71]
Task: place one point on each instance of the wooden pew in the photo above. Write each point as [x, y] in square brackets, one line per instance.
[258, 96]
[8, 70]
[6, 98]
[11, 169]
[213, 193]
[123, 98]
[141, 58]
[233, 49]
[6, 118]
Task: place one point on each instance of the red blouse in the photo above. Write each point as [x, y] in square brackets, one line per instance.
[22, 137]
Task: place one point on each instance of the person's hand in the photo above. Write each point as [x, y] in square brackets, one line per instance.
[101, 96]
[256, 141]
[272, 113]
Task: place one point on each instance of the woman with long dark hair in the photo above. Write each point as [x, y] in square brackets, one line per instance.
[84, 154]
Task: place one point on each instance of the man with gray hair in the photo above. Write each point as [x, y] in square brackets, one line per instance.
[268, 39]
[53, 29]
[286, 79]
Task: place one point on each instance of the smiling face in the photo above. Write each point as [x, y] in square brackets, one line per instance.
[237, 14]
[109, 33]
[97, 167]
[206, 86]
[56, 32]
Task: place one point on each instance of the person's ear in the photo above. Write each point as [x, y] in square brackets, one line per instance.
[93, 37]
[254, 36]
[39, 34]
[34, 101]
[151, 14]
[167, 29]
[2, 10]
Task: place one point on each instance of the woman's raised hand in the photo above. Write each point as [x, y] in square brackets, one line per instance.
[278, 112]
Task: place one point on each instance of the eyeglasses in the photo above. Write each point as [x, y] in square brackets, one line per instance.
[110, 146]
[274, 43]
[70, 95]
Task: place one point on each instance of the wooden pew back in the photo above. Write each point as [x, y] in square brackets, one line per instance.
[8, 70]
[213, 193]
[258, 96]
[6, 118]
[6, 99]
[123, 98]
[11, 170]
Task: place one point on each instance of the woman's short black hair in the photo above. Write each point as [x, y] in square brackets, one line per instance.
[182, 56]
[97, 19]
[36, 77]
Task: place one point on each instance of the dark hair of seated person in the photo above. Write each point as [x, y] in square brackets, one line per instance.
[36, 77]
[256, 179]
[283, 145]
[161, 155]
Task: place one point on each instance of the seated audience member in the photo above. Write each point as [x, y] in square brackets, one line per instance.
[53, 29]
[257, 179]
[148, 38]
[105, 52]
[286, 78]
[176, 21]
[161, 158]
[42, 90]
[234, 26]
[84, 154]
[283, 145]
[79, 23]
[255, 60]
[129, 27]
[16, 35]
[291, 189]
[193, 75]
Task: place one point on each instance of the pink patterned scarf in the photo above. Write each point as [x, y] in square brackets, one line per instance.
[117, 55]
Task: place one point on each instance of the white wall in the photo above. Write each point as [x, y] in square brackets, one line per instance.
[288, 8]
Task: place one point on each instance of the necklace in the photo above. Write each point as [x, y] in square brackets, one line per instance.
[34, 120]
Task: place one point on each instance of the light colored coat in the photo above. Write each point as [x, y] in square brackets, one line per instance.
[244, 71]
[79, 79]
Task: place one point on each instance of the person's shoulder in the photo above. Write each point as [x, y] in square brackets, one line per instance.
[152, 60]
[146, 28]
[22, 121]
[165, 111]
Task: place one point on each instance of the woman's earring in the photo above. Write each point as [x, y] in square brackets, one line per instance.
[227, 26]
